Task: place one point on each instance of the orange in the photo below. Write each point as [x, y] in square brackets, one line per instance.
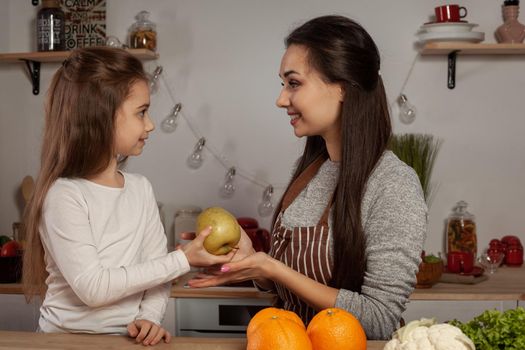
[270, 312]
[335, 328]
[277, 329]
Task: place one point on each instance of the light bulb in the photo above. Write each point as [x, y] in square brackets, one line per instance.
[154, 80]
[407, 111]
[112, 41]
[265, 208]
[169, 124]
[195, 159]
[228, 189]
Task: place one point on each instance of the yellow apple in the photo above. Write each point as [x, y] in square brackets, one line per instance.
[225, 231]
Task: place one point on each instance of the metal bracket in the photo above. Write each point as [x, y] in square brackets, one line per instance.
[33, 67]
[451, 78]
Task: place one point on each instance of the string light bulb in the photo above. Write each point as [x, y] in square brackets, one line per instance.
[113, 41]
[195, 159]
[407, 111]
[169, 124]
[265, 208]
[154, 80]
[228, 189]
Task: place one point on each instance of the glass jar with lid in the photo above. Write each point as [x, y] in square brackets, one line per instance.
[143, 33]
[185, 221]
[461, 230]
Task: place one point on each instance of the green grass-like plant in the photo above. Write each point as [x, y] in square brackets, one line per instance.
[418, 151]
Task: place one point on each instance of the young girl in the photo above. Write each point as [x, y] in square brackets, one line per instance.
[351, 225]
[96, 246]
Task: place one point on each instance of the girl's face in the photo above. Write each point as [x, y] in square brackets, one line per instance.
[133, 123]
[314, 106]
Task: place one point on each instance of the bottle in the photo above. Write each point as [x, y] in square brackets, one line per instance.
[143, 34]
[461, 231]
[50, 27]
[511, 31]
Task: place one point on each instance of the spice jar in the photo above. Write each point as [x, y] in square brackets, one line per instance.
[50, 27]
[461, 230]
[143, 34]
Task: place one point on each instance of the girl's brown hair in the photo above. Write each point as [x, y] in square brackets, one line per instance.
[78, 141]
[344, 53]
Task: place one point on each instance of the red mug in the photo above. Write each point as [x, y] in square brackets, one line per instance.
[450, 13]
[458, 262]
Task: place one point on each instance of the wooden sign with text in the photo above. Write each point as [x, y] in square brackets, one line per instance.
[85, 23]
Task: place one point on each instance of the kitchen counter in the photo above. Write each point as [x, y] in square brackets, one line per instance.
[28, 340]
[508, 283]
[181, 290]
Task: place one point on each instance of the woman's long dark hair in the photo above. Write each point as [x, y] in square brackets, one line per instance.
[78, 141]
[344, 53]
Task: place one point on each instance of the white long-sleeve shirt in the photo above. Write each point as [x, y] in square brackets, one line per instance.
[105, 252]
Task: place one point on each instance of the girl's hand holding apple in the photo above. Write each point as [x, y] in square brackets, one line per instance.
[198, 256]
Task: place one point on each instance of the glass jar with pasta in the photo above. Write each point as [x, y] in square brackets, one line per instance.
[461, 230]
[143, 34]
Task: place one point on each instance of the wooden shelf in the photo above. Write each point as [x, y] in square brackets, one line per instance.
[33, 60]
[444, 48]
[453, 49]
[59, 56]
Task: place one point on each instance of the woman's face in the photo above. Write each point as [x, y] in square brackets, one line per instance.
[314, 106]
[133, 123]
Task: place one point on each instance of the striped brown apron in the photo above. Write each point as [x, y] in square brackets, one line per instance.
[304, 249]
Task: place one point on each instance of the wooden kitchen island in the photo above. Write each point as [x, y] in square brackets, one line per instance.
[27, 340]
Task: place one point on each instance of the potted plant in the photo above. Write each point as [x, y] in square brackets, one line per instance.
[419, 151]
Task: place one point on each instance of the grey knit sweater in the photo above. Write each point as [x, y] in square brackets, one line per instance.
[394, 218]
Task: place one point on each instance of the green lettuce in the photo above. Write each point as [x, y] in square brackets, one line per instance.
[495, 330]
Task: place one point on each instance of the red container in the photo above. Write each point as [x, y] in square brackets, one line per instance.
[514, 255]
[260, 237]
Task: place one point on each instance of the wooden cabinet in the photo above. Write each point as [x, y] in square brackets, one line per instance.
[17, 315]
[503, 290]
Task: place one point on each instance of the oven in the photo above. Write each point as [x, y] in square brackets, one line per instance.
[216, 317]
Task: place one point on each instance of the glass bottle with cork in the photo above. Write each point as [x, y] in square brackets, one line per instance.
[50, 27]
[461, 230]
[143, 34]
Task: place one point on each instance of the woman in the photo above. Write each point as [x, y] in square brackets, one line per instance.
[350, 227]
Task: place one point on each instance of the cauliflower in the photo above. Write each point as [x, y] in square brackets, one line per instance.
[425, 334]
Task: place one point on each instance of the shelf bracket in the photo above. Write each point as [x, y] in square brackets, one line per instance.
[451, 78]
[33, 67]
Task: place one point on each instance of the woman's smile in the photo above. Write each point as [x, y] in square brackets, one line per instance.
[294, 117]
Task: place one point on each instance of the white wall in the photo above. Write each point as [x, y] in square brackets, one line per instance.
[221, 59]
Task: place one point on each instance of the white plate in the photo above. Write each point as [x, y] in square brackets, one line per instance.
[470, 37]
[448, 27]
